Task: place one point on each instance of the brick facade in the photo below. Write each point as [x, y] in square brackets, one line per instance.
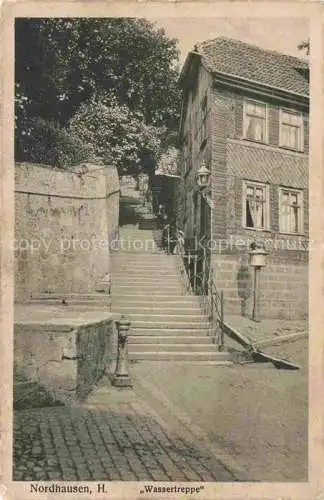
[234, 161]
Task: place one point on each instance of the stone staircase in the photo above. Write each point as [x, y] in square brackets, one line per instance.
[166, 322]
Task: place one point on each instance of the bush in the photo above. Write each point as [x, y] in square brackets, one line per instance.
[117, 135]
[41, 141]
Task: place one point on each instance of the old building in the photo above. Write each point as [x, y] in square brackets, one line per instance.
[245, 119]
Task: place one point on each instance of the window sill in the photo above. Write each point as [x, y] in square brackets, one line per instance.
[292, 234]
[254, 141]
[294, 150]
[258, 229]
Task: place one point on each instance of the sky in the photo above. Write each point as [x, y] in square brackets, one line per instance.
[281, 34]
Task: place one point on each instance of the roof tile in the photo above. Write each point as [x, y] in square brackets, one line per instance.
[254, 63]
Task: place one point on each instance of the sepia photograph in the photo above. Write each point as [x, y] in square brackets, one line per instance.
[161, 253]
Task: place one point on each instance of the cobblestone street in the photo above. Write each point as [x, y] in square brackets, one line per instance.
[113, 436]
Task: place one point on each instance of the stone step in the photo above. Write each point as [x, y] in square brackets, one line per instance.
[135, 269]
[187, 310]
[143, 263]
[146, 267]
[146, 280]
[144, 289]
[174, 318]
[154, 299]
[158, 281]
[169, 339]
[142, 255]
[173, 347]
[150, 305]
[180, 356]
[144, 242]
[143, 269]
[80, 305]
[138, 245]
[131, 251]
[178, 325]
[161, 331]
[69, 296]
[144, 274]
[181, 362]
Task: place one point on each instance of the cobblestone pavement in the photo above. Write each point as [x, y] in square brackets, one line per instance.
[113, 436]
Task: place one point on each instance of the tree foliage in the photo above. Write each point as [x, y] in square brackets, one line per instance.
[47, 142]
[117, 135]
[61, 63]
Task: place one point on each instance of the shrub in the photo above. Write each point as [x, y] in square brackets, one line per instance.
[41, 141]
[116, 134]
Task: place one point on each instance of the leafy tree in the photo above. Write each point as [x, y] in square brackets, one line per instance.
[47, 142]
[61, 63]
[117, 135]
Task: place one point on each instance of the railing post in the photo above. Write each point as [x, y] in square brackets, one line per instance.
[211, 312]
[221, 344]
[121, 376]
[195, 273]
[203, 270]
[168, 236]
[188, 258]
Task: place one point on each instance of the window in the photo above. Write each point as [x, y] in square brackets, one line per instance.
[255, 121]
[255, 205]
[291, 212]
[291, 129]
[204, 119]
[186, 152]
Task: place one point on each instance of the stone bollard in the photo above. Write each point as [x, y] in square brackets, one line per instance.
[121, 376]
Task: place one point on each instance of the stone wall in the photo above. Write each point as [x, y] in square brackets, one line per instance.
[65, 350]
[112, 202]
[63, 223]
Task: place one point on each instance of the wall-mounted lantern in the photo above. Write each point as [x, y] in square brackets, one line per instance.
[203, 176]
[257, 261]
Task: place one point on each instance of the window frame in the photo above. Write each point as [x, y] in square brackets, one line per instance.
[300, 194]
[266, 120]
[204, 118]
[265, 186]
[301, 146]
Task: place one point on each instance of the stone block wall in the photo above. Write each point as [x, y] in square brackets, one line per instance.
[112, 203]
[67, 357]
[63, 222]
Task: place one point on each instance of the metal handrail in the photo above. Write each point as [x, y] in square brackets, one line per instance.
[181, 253]
[212, 302]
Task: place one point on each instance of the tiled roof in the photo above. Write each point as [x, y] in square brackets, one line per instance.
[253, 63]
